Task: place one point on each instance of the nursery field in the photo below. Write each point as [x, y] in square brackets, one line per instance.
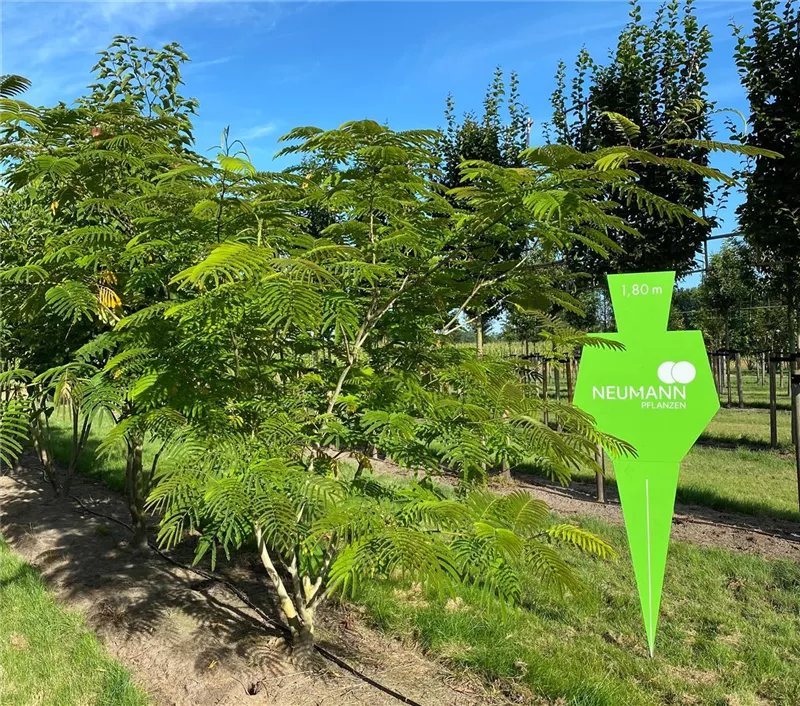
[291, 420]
[730, 626]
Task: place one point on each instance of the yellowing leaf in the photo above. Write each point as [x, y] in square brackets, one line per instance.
[108, 297]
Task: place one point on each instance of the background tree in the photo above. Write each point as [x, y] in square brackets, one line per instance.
[94, 250]
[729, 284]
[496, 140]
[655, 77]
[769, 66]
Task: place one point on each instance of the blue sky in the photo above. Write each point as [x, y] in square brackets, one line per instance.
[266, 67]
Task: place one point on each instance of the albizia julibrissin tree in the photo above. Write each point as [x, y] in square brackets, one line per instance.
[319, 346]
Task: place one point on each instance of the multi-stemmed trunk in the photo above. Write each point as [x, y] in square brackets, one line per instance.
[137, 492]
[40, 435]
[80, 434]
[299, 606]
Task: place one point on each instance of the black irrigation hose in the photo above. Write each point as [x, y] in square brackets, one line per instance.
[271, 622]
[385, 689]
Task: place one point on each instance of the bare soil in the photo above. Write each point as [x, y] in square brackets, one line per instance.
[189, 641]
[764, 536]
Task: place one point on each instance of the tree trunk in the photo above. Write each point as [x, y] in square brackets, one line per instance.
[298, 612]
[505, 471]
[557, 380]
[303, 644]
[42, 447]
[479, 335]
[569, 379]
[134, 480]
[794, 371]
[728, 378]
[74, 454]
[545, 416]
[600, 477]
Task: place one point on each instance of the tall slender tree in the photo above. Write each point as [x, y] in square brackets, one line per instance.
[655, 78]
[498, 140]
[769, 65]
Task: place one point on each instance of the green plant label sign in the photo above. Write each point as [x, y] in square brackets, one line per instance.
[658, 394]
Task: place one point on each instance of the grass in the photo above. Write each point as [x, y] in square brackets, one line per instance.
[729, 632]
[741, 480]
[733, 469]
[747, 427]
[48, 655]
[110, 469]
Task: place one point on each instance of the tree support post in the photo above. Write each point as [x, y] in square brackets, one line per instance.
[570, 388]
[728, 377]
[545, 416]
[600, 477]
[739, 379]
[796, 425]
[557, 378]
[773, 405]
[712, 360]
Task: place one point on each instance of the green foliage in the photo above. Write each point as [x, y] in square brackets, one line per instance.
[769, 62]
[733, 305]
[732, 635]
[651, 96]
[255, 327]
[500, 142]
[339, 528]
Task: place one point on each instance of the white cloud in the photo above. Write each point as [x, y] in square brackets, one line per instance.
[198, 65]
[55, 43]
[259, 131]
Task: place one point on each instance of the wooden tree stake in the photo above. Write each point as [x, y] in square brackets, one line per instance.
[773, 405]
[739, 379]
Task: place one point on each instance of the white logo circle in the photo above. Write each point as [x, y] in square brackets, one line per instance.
[682, 373]
[665, 372]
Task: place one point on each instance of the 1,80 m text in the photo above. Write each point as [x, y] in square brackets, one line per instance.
[637, 290]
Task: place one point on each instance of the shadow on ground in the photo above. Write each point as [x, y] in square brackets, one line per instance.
[189, 641]
[153, 612]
